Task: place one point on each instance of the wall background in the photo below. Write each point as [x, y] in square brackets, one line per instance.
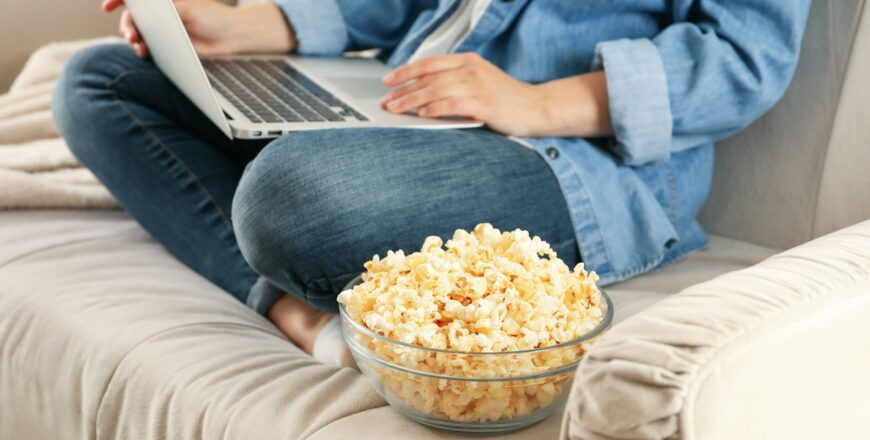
[28, 24]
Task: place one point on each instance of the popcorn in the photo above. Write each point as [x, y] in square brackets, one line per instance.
[482, 292]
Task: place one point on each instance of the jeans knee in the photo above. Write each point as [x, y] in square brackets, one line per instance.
[263, 200]
[83, 84]
[290, 220]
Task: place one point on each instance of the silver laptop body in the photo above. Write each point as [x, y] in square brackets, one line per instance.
[251, 97]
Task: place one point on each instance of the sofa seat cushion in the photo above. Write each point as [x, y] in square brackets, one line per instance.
[105, 335]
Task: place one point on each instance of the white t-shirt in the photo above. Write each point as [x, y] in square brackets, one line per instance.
[447, 37]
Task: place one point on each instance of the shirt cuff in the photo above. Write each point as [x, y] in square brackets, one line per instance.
[318, 25]
[640, 108]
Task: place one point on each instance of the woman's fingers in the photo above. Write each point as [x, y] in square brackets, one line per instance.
[427, 95]
[183, 10]
[438, 79]
[125, 26]
[452, 83]
[140, 48]
[412, 87]
[131, 34]
[455, 106]
[128, 28]
[434, 79]
[468, 80]
[111, 5]
[428, 66]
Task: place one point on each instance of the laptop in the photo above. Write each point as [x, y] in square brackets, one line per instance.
[257, 97]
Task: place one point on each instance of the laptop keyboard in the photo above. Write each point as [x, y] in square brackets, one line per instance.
[272, 91]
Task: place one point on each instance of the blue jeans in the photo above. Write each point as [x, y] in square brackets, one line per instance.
[300, 214]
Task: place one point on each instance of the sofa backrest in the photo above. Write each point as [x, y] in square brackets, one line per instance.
[801, 170]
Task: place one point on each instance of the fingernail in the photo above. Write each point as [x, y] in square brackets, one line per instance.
[423, 112]
[392, 105]
[389, 77]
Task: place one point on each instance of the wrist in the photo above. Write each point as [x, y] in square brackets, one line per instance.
[262, 28]
[549, 120]
[577, 106]
[544, 117]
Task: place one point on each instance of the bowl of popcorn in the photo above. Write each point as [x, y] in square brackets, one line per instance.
[480, 334]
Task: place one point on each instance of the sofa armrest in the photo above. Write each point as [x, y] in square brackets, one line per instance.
[778, 350]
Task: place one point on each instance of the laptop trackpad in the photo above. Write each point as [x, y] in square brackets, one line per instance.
[360, 87]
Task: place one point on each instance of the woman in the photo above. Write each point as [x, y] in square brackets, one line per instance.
[601, 118]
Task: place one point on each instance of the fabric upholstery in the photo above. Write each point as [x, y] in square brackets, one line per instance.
[104, 335]
[819, 364]
[66, 315]
[844, 192]
[767, 179]
[794, 325]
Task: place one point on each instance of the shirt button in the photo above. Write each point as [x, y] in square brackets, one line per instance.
[553, 153]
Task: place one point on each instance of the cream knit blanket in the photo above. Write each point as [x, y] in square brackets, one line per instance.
[37, 169]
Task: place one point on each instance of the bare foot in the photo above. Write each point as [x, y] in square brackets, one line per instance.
[302, 323]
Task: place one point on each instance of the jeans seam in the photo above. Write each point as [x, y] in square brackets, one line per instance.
[113, 82]
[111, 86]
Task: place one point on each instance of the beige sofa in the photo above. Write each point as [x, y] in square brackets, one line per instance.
[104, 335]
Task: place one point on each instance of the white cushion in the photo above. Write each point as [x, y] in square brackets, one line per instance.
[775, 351]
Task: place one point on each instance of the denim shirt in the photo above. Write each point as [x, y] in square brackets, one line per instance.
[681, 75]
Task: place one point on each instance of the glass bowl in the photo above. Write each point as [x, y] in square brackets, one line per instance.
[470, 392]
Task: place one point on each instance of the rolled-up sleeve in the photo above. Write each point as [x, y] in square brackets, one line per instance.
[718, 67]
[319, 27]
[639, 104]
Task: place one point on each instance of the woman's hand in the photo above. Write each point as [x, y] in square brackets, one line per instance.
[466, 85]
[469, 86]
[127, 27]
[218, 29]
